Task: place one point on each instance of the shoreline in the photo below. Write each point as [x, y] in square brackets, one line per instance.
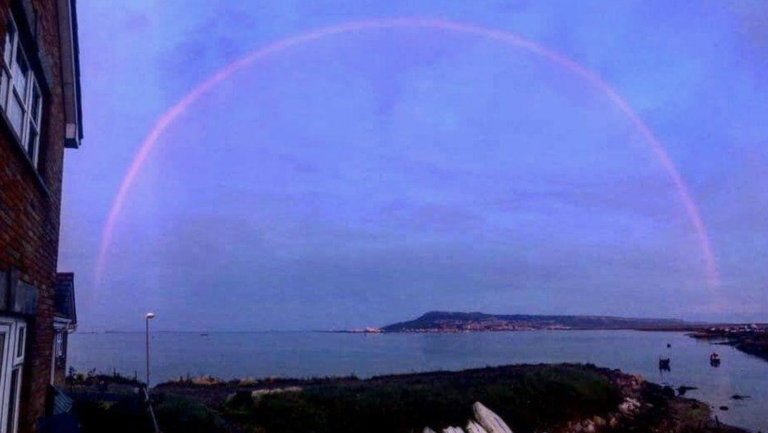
[491, 331]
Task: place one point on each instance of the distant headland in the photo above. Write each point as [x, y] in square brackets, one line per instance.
[444, 321]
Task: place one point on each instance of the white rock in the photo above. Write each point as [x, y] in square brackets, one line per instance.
[427, 430]
[453, 430]
[491, 422]
[473, 427]
[628, 407]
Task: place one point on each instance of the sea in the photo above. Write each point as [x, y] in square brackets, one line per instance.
[311, 354]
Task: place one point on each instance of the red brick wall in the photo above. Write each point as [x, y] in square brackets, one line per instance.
[29, 216]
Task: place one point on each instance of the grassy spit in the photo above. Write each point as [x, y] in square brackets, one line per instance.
[753, 342]
[530, 398]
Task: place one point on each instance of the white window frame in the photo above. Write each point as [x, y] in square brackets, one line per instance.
[30, 122]
[61, 330]
[13, 351]
[58, 344]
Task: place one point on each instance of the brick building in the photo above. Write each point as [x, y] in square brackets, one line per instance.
[40, 116]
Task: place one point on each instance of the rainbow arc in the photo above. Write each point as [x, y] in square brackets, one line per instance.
[510, 39]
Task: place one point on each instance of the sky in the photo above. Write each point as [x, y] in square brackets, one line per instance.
[368, 177]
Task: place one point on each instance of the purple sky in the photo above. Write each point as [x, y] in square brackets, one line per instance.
[367, 178]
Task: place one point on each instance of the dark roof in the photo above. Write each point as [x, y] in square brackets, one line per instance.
[61, 402]
[64, 296]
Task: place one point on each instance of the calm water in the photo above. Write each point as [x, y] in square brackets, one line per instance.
[302, 354]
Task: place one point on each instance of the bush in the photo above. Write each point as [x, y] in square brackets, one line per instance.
[127, 415]
[182, 415]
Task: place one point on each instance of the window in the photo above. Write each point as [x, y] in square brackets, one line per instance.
[20, 97]
[13, 335]
[58, 350]
[13, 400]
[21, 331]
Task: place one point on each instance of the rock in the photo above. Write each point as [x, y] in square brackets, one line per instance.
[491, 422]
[668, 391]
[630, 382]
[629, 406]
[599, 422]
[452, 430]
[473, 427]
[613, 422]
[625, 408]
[723, 407]
[427, 430]
[681, 390]
[588, 427]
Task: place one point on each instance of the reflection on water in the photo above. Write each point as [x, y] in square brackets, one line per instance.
[302, 354]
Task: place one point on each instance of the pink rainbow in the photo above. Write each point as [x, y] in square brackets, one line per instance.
[428, 23]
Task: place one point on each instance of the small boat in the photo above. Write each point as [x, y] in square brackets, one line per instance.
[714, 359]
[664, 364]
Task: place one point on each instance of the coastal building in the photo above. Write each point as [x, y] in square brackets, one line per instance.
[64, 322]
[40, 116]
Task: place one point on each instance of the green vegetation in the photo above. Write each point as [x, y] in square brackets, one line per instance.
[528, 397]
[121, 416]
[182, 415]
[126, 415]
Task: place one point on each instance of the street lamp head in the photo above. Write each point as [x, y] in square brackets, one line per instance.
[150, 316]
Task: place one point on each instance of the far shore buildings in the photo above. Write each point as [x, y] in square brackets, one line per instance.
[40, 116]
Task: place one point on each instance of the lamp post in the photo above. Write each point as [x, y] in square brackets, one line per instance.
[149, 317]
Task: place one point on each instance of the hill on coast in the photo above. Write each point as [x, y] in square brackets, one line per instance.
[443, 321]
